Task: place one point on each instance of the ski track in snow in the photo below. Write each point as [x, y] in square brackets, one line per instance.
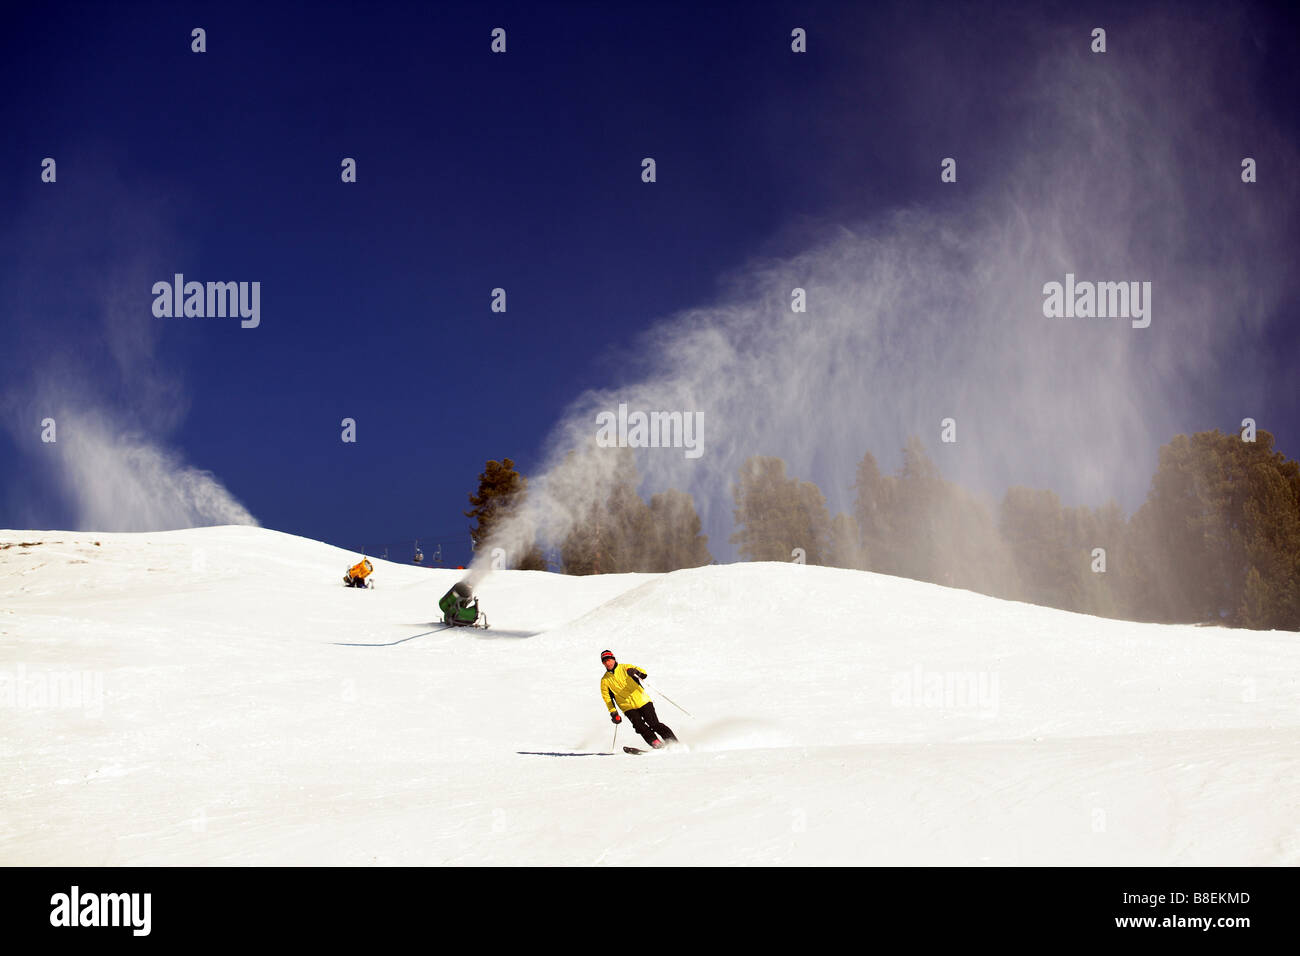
[235, 704]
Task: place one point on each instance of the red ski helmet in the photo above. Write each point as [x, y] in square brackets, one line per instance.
[606, 656]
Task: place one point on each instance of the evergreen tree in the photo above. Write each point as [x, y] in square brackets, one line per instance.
[873, 511]
[920, 525]
[1036, 529]
[1219, 509]
[1108, 593]
[501, 491]
[614, 533]
[846, 543]
[971, 552]
[1271, 511]
[775, 514]
[1192, 540]
[918, 500]
[675, 540]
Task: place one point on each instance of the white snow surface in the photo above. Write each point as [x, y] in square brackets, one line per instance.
[216, 696]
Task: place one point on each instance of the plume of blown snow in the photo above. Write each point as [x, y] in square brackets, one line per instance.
[122, 481]
[926, 314]
[95, 361]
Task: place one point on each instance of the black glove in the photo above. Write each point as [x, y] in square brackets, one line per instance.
[616, 718]
[637, 675]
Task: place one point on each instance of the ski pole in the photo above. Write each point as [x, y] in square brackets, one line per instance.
[615, 743]
[671, 701]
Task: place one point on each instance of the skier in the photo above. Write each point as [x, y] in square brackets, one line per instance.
[620, 687]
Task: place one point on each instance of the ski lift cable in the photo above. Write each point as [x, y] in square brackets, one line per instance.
[397, 544]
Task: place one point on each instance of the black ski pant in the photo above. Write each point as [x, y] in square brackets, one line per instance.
[646, 722]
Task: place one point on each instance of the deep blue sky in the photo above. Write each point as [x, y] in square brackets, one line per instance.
[475, 171]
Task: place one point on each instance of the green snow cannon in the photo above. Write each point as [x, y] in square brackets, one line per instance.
[459, 607]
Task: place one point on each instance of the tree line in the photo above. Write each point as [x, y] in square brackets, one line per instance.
[1216, 540]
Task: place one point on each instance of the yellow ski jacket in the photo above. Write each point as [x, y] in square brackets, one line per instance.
[619, 687]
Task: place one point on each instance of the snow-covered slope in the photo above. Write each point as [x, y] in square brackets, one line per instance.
[217, 696]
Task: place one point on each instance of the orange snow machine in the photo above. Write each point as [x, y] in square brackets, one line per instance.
[358, 575]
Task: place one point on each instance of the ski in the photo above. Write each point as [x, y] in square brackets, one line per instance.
[634, 750]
